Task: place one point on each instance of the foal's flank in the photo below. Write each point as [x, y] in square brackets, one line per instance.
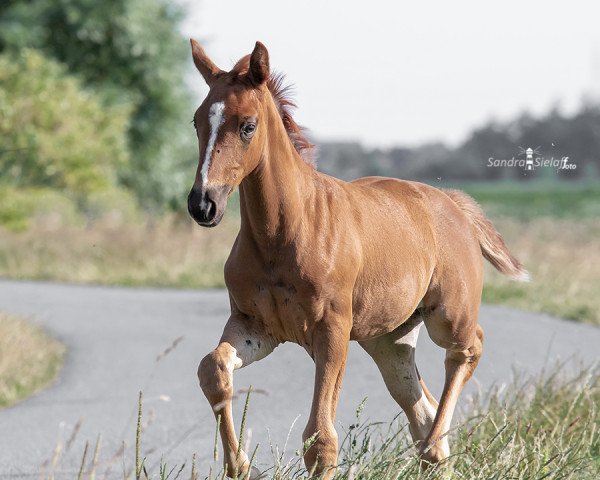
[319, 262]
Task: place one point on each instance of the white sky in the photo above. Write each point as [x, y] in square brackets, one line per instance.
[388, 72]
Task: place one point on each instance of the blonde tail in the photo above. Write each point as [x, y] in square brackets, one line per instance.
[492, 244]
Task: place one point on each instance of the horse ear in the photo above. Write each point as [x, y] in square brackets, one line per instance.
[259, 64]
[205, 65]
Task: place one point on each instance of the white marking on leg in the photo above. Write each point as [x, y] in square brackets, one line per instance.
[215, 120]
[423, 412]
[411, 337]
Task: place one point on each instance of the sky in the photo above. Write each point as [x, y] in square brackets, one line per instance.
[403, 73]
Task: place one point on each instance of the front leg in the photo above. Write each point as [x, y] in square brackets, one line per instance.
[243, 342]
[330, 350]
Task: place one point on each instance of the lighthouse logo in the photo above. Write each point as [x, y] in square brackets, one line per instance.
[529, 159]
[529, 153]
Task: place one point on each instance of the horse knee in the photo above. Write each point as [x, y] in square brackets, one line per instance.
[215, 375]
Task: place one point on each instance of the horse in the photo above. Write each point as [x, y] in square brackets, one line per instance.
[320, 262]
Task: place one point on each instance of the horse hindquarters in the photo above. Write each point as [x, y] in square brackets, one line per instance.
[451, 308]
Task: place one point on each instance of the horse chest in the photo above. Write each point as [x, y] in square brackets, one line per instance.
[281, 306]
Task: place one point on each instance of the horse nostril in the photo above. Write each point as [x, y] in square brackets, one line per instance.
[196, 207]
[211, 209]
[204, 205]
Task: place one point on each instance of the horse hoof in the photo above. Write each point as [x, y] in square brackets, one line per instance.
[434, 454]
[254, 474]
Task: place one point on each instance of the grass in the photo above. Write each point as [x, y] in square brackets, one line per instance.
[171, 252]
[545, 427]
[563, 258]
[554, 229]
[29, 359]
[530, 201]
[537, 428]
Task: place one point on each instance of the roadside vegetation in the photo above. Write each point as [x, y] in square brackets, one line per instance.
[562, 257]
[29, 359]
[541, 427]
[168, 252]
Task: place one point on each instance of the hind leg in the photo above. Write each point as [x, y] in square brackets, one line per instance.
[460, 364]
[394, 354]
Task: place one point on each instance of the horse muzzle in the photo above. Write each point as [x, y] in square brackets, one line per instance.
[207, 205]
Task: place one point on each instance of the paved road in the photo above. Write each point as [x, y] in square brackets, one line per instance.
[114, 336]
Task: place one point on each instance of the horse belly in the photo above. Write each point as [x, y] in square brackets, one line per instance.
[382, 313]
[386, 297]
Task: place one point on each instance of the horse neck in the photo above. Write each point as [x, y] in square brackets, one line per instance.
[273, 197]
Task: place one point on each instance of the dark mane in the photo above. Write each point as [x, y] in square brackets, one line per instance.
[282, 95]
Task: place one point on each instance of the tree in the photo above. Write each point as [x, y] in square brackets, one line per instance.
[71, 141]
[132, 52]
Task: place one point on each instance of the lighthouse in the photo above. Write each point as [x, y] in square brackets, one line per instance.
[529, 159]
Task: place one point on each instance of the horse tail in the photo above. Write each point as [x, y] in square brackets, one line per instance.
[491, 242]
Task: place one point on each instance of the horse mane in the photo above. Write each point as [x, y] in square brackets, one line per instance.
[282, 94]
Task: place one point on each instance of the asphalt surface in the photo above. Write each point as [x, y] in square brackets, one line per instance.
[115, 338]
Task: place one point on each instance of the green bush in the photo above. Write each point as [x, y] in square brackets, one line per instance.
[20, 207]
[132, 51]
[53, 132]
[51, 209]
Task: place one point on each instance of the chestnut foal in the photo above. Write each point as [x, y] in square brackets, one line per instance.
[319, 262]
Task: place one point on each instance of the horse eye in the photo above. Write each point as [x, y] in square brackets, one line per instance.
[248, 130]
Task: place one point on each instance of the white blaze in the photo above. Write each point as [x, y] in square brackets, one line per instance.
[215, 120]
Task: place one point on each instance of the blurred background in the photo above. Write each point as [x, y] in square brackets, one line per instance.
[97, 150]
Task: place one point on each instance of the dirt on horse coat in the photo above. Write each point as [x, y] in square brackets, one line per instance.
[319, 262]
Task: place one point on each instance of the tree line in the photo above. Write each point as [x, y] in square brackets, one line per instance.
[554, 135]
